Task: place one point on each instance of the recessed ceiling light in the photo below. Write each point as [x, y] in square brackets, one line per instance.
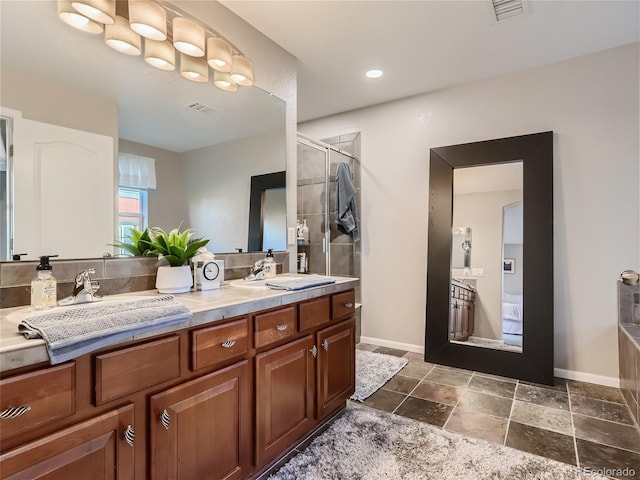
[374, 73]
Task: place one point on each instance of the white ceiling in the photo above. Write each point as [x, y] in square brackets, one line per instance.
[425, 45]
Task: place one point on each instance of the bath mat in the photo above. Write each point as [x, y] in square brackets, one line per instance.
[373, 370]
[369, 444]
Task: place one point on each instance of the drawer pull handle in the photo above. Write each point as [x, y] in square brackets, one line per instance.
[325, 345]
[14, 412]
[228, 344]
[314, 351]
[348, 305]
[165, 419]
[129, 435]
[281, 328]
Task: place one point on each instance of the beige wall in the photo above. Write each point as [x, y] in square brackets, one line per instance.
[591, 104]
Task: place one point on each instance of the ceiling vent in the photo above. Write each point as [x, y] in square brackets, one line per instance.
[200, 107]
[503, 9]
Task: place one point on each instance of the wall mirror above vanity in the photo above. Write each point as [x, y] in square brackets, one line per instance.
[207, 143]
[490, 296]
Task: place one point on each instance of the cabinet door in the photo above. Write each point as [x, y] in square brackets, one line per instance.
[285, 392]
[201, 430]
[336, 366]
[96, 449]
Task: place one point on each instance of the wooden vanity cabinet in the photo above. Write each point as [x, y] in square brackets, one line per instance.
[93, 449]
[462, 315]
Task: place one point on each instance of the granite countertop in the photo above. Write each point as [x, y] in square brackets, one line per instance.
[227, 302]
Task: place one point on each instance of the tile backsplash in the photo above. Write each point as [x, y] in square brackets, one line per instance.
[115, 275]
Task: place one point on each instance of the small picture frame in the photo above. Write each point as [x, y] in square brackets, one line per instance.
[509, 265]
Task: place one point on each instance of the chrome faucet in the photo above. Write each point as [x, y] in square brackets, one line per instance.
[256, 271]
[84, 289]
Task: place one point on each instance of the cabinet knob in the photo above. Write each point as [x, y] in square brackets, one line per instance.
[348, 305]
[314, 351]
[325, 345]
[165, 419]
[227, 344]
[281, 328]
[14, 412]
[129, 435]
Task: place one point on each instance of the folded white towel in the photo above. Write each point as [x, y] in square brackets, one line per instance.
[309, 281]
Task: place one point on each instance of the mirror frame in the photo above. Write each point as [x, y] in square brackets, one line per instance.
[535, 363]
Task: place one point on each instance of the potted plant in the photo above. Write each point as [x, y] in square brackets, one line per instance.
[174, 249]
[139, 244]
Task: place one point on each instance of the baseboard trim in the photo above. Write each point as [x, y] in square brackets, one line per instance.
[387, 343]
[558, 372]
[587, 377]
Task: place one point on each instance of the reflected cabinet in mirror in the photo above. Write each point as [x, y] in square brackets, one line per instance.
[490, 294]
[82, 104]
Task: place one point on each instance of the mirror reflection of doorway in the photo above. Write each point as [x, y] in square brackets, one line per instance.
[512, 266]
[486, 287]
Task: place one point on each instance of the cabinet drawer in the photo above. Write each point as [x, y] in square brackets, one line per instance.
[33, 399]
[219, 343]
[133, 369]
[343, 304]
[273, 326]
[314, 312]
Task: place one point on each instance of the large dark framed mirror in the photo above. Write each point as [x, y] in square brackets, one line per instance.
[532, 360]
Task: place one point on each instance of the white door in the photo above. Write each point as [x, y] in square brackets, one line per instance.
[64, 192]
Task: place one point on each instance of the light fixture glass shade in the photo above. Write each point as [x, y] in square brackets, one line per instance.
[194, 68]
[103, 11]
[223, 81]
[188, 37]
[242, 71]
[219, 54]
[70, 16]
[160, 54]
[148, 19]
[121, 38]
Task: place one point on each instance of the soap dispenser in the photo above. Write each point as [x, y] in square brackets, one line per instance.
[44, 287]
[305, 232]
[269, 265]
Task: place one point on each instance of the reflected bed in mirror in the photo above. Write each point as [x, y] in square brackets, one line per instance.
[501, 258]
[207, 143]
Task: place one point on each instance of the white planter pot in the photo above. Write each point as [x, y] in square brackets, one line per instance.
[174, 279]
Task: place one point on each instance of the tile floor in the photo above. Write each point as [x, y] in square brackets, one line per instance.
[578, 423]
[573, 422]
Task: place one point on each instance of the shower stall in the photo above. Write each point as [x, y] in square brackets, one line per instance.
[327, 251]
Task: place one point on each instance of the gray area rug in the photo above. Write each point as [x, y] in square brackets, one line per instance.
[370, 444]
[373, 370]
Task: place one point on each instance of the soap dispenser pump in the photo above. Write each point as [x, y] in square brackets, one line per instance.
[269, 266]
[44, 292]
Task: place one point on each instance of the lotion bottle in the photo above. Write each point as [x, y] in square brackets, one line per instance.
[44, 287]
[305, 232]
[269, 265]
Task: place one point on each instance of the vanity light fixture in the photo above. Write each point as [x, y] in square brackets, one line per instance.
[194, 68]
[148, 19]
[121, 38]
[103, 11]
[188, 37]
[160, 54]
[375, 73]
[223, 81]
[71, 16]
[219, 54]
[242, 71]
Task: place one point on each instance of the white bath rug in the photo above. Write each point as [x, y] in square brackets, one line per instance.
[373, 370]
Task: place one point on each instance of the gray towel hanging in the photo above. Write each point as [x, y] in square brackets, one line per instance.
[346, 213]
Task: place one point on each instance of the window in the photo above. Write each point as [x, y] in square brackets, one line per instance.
[132, 211]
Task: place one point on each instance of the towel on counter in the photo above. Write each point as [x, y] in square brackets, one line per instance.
[73, 331]
[299, 283]
[346, 214]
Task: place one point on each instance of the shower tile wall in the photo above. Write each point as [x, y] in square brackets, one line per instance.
[345, 254]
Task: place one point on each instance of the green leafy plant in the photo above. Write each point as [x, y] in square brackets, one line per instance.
[139, 244]
[174, 247]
